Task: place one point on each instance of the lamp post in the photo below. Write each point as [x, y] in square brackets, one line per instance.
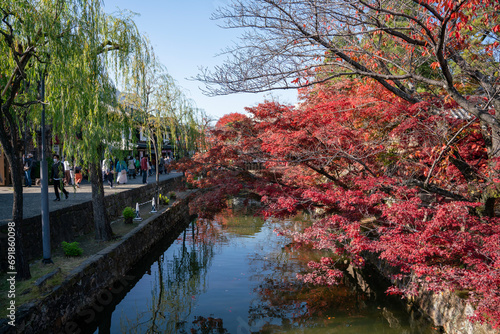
[44, 180]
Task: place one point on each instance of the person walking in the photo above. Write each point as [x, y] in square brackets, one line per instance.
[28, 164]
[131, 167]
[109, 177]
[144, 169]
[67, 172]
[167, 163]
[150, 171]
[152, 166]
[138, 168]
[161, 165]
[121, 170]
[78, 176]
[57, 175]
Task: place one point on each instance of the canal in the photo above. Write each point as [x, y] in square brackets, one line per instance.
[234, 274]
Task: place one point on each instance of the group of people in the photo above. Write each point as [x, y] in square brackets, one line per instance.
[148, 167]
[63, 173]
[123, 169]
[69, 174]
[131, 167]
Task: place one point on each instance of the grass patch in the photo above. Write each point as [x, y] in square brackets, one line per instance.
[27, 291]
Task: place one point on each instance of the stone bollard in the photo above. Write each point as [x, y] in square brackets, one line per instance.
[153, 208]
[137, 214]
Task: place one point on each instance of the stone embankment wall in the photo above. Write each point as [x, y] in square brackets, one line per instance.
[445, 309]
[96, 279]
[451, 312]
[69, 223]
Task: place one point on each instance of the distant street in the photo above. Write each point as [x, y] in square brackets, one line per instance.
[32, 197]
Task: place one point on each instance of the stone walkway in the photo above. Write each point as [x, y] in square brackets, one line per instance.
[32, 198]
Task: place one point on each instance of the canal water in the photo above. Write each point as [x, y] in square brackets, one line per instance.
[234, 274]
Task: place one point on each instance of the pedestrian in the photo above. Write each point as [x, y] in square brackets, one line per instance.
[57, 175]
[110, 177]
[72, 171]
[28, 165]
[144, 169]
[121, 170]
[67, 172]
[104, 169]
[78, 176]
[152, 166]
[137, 163]
[161, 165]
[131, 167]
[167, 164]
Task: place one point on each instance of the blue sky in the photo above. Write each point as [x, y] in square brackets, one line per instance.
[184, 38]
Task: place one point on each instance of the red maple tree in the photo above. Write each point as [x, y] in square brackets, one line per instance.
[385, 164]
[383, 178]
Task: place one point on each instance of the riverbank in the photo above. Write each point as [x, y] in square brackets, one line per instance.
[83, 194]
[71, 288]
[446, 309]
[73, 217]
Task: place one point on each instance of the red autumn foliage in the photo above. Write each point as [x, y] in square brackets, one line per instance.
[383, 177]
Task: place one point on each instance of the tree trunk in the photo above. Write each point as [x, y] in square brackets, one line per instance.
[492, 141]
[157, 185]
[494, 150]
[102, 226]
[22, 266]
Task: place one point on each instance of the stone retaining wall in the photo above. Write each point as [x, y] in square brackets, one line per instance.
[445, 309]
[97, 277]
[451, 312]
[69, 223]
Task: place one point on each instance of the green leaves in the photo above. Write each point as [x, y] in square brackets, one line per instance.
[160, 108]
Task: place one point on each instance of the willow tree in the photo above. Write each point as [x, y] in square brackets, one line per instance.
[88, 118]
[162, 108]
[141, 82]
[186, 124]
[67, 41]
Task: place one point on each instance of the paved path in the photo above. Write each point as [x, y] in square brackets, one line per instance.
[32, 197]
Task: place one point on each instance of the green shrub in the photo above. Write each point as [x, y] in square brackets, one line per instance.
[72, 249]
[128, 212]
[163, 199]
[172, 195]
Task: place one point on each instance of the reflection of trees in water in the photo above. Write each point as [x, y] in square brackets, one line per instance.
[209, 231]
[284, 300]
[238, 223]
[282, 303]
[208, 325]
[179, 279]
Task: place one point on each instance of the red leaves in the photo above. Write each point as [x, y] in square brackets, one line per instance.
[230, 120]
[352, 154]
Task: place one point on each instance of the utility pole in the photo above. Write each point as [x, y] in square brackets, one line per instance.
[44, 180]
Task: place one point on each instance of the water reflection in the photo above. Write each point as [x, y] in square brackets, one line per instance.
[233, 274]
[180, 275]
